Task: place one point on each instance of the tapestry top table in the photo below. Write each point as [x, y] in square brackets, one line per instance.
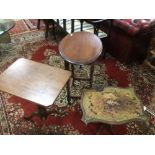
[111, 106]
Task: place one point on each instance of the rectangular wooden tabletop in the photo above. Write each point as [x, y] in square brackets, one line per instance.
[34, 81]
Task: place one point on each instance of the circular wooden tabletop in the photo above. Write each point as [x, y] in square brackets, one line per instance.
[80, 48]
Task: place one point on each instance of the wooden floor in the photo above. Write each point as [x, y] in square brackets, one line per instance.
[77, 26]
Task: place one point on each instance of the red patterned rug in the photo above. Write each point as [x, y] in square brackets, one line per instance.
[66, 119]
[20, 27]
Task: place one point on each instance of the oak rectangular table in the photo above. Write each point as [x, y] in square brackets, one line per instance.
[39, 83]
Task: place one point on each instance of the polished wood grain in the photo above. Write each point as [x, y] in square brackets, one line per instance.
[80, 48]
[34, 81]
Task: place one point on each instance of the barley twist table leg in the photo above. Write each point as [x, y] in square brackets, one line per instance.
[91, 74]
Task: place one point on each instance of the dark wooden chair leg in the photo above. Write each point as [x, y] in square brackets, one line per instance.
[58, 21]
[47, 27]
[104, 42]
[46, 30]
[64, 24]
[110, 27]
[54, 34]
[107, 39]
[38, 24]
[72, 25]
[81, 21]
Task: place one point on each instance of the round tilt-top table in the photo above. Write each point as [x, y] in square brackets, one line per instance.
[80, 48]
